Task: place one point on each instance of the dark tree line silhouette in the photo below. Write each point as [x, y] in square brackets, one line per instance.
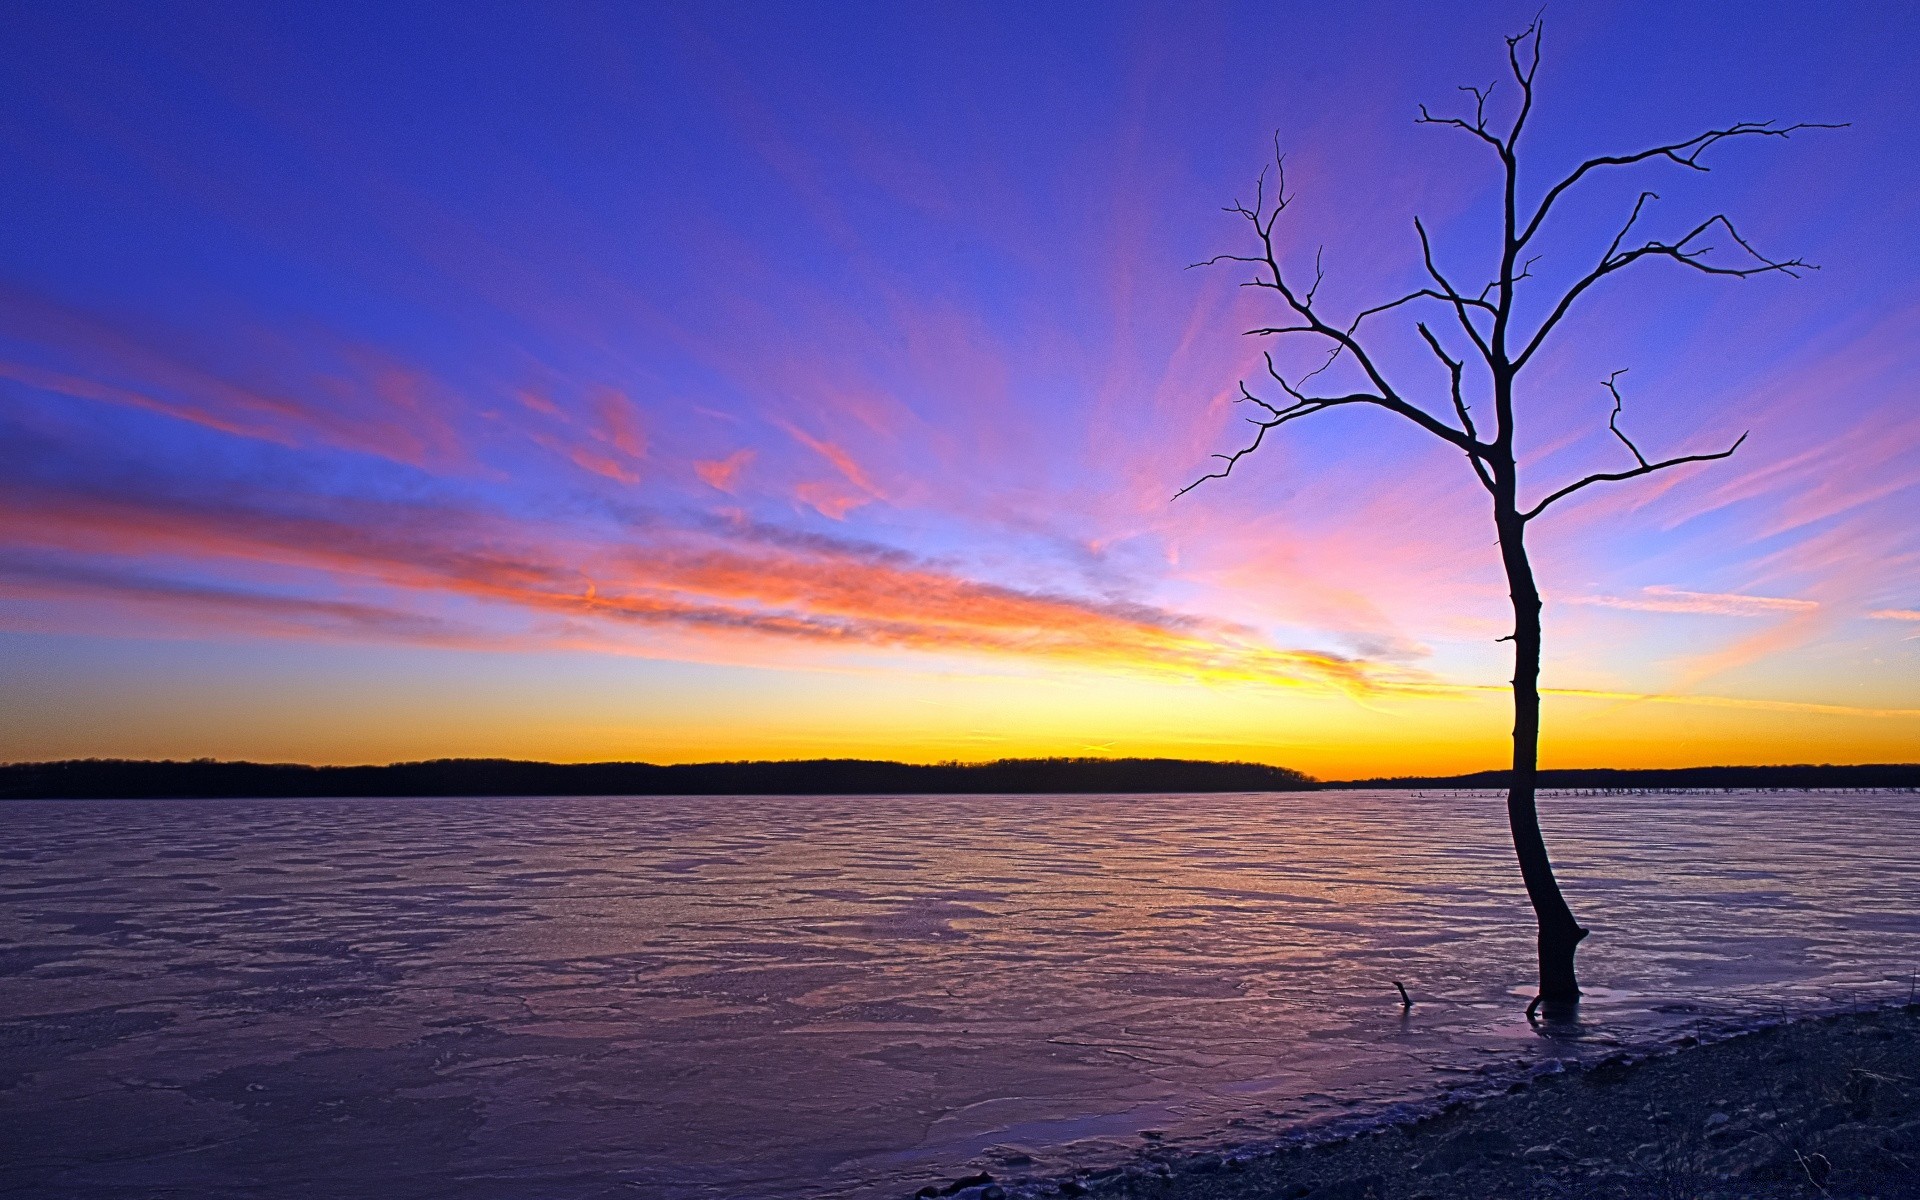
[113, 779]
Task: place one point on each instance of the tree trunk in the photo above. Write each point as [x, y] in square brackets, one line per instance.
[1560, 934]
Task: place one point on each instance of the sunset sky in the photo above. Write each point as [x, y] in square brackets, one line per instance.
[680, 382]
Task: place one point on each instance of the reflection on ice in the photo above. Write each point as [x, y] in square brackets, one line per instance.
[721, 996]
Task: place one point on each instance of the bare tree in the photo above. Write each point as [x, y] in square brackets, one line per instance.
[1485, 320]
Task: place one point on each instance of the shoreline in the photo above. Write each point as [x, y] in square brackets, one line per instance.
[1823, 1106]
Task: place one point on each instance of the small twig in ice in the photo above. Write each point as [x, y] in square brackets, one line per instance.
[1824, 1169]
[1406, 1001]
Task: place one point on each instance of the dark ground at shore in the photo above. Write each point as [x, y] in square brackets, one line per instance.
[1822, 1109]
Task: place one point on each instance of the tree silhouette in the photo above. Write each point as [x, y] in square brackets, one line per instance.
[1486, 319]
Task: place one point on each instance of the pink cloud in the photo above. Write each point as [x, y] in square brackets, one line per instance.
[841, 460]
[620, 421]
[535, 402]
[323, 392]
[587, 458]
[829, 500]
[717, 586]
[722, 474]
[87, 389]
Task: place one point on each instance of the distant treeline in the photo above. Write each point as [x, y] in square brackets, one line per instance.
[98, 778]
[121, 779]
[1878, 775]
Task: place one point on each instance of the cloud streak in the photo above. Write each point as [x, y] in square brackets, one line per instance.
[1662, 599]
[705, 582]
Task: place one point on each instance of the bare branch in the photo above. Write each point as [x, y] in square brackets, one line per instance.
[1231, 460]
[1614, 247]
[1613, 418]
[1354, 325]
[1453, 366]
[1267, 330]
[1460, 406]
[1615, 476]
[1460, 303]
[1683, 251]
[1319, 276]
[1220, 258]
[1423, 293]
[1303, 407]
[1248, 397]
[1522, 75]
[1477, 127]
[1686, 154]
[1273, 372]
[1263, 217]
[1643, 467]
[1535, 29]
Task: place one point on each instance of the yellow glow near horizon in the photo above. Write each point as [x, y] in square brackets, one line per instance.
[939, 717]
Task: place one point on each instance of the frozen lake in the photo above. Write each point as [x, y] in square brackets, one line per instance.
[850, 996]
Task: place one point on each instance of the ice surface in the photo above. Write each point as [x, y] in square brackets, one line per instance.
[848, 996]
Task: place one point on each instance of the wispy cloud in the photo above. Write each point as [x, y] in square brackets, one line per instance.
[715, 582]
[1719, 604]
[832, 498]
[328, 393]
[1752, 703]
[588, 458]
[199, 607]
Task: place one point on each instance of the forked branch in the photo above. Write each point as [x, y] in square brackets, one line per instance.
[1274, 278]
[1688, 251]
[1525, 44]
[1686, 154]
[1308, 320]
[1461, 303]
[1611, 383]
[1643, 467]
[1304, 406]
[1713, 247]
[1460, 407]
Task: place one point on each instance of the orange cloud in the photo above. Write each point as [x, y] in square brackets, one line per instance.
[720, 584]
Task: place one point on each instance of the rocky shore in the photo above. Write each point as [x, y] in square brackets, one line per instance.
[1825, 1109]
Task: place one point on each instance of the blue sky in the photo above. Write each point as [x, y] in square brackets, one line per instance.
[636, 381]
